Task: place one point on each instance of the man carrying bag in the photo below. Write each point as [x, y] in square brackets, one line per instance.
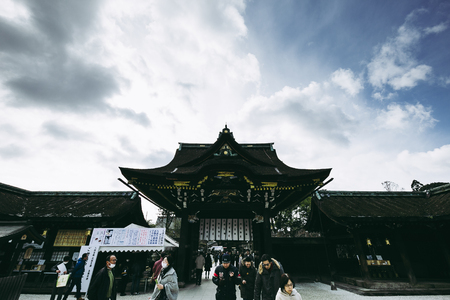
[62, 269]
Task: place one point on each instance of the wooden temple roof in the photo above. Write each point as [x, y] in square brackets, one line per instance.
[349, 208]
[20, 204]
[228, 170]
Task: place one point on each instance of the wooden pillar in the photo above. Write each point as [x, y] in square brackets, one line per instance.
[443, 247]
[183, 264]
[267, 233]
[405, 257]
[365, 274]
[17, 250]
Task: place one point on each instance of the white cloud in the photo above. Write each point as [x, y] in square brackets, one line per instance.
[411, 77]
[406, 117]
[435, 163]
[435, 29]
[394, 63]
[346, 80]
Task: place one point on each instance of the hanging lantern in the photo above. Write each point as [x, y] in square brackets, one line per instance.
[387, 242]
[369, 242]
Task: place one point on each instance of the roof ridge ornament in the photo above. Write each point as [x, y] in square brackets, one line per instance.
[226, 130]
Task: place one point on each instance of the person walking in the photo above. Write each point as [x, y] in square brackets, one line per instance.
[226, 277]
[286, 290]
[124, 277]
[157, 267]
[199, 263]
[103, 285]
[208, 264]
[60, 268]
[216, 258]
[75, 277]
[248, 277]
[268, 278]
[166, 287]
[136, 272]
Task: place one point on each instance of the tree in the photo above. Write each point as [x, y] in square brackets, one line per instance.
[391, 186]
[290, 221]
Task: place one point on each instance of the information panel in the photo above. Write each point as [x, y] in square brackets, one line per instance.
[128, 237]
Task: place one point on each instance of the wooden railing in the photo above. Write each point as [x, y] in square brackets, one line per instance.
[11, 287]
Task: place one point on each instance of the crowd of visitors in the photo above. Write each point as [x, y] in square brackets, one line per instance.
[258, 279]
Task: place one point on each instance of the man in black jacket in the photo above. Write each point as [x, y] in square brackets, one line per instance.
[103, 285]
[268, 278]
[226, 277]
[248, 276]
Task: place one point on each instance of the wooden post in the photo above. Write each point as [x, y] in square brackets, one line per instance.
[405, 257]
[362, 256]
[183, 265]
[443, 247]
[17, 250]
[267, 233]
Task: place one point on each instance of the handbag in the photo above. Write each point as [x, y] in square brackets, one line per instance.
[62, 280]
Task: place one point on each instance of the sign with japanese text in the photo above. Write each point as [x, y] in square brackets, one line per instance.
[128, 237]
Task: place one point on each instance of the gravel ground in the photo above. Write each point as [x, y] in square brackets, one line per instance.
[308, 291]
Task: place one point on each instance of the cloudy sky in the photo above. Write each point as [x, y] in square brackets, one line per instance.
[358, 86]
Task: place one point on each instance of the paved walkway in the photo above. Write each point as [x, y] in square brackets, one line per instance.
[308, 291]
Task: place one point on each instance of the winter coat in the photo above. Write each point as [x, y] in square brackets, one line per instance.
[282, 295]
[78, 271]
[208, 262]
[226, 289]
[199, 262]
[268, 281]
[100, 284]
[170, 283]
[249, 275]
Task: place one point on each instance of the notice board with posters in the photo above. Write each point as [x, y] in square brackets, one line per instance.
[127, 237]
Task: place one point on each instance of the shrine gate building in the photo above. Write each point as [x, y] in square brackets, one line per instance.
[224, 191]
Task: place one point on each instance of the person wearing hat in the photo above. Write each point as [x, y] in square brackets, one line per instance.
[226, 277]
[248, 276]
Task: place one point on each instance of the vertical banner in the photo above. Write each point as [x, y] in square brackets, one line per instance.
[241, 229]
[218, 229]
[247, 230]
[89, 267]
[235, 230]
[229, 230]
[224, 229]
[202, 229]
[207, 229]
[212, 232]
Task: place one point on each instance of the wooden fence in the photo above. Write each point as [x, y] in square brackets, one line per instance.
[11, 287]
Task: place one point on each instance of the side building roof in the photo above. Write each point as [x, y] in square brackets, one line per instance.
[351, 208]
[19, 204]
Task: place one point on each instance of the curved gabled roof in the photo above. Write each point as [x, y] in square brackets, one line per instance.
[226, 165]
[259, 160]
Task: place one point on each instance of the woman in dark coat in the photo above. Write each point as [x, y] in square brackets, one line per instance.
[248, 276]
[208, 264]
